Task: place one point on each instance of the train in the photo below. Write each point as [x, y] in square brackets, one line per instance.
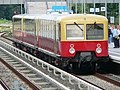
[74, 42]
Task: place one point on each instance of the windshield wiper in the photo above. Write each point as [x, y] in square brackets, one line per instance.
[78, 26]
[91, 26]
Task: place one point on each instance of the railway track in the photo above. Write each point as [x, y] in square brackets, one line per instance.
[114, 79]
[108, 80]
[33, 78]
[39, 74]
[105, 81]
[4, 85]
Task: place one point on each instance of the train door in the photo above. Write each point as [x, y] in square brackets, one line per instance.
[30, 31]
[36, 32]
[37, 25]
[57, 37]
[17, 28]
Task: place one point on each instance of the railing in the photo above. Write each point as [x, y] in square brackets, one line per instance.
[71, 79]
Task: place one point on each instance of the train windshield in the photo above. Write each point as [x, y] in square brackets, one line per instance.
[94, 31]
[75, 31]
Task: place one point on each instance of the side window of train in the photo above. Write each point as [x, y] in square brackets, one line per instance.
[49, 29]
[45, 28]
[42, 27]
[42, 31]
[52, 29]
[57, 31]
[29, 26]
[94, 31]
[17, 24]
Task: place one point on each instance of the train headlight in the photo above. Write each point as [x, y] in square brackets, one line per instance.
[98, 49]
[72, 50]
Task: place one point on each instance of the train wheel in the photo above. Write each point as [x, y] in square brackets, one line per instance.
[14, 44]
[84, 68]
[89, 67]
[63, 64]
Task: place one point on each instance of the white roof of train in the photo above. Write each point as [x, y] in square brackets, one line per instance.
[56, 17]
[41, 16]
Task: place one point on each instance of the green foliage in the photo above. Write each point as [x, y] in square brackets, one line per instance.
[6, 26]
[6, 30]
[112, 9]
[3, 21]
[7, 11]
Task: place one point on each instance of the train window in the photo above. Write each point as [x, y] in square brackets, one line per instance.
[94, 31]
[29, 26]
[52, 29]
[43, 23]
[47, 22]
[47, 28]
[17, 24]
[40, 30]
[44, 28]
[75, 32]
[57, 30]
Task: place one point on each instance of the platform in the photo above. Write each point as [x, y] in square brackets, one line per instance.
[1, 88]
[114, 53]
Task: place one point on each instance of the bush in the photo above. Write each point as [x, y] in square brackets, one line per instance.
[3, 21]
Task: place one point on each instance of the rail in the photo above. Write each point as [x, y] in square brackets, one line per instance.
[72, 79]
[4, 85]
[115, 56]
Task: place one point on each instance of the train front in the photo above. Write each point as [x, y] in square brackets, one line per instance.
[84, 39]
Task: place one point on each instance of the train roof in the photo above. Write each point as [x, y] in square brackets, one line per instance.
[40, 16]
[59, 17]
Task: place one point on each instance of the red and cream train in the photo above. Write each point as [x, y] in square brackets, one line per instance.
[76, 41]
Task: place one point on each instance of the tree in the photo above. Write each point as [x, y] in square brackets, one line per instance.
[7, 11]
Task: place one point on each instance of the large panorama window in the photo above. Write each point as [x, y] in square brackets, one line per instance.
[94, 31]
[75, 32]
[17, 24]
[29, 26]
[47, 28]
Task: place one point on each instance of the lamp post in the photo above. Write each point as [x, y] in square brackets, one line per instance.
[55, 2]
[25, 6]
[21, 6]
[119, 12]
[76, 6]
[106, 8]
[94, 7]
[84, 7]
[68, 4]
[46, 6]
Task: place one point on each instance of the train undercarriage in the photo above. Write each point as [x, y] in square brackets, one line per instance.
[82, 63]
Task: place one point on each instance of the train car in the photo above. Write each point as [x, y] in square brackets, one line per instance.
[77, 42]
